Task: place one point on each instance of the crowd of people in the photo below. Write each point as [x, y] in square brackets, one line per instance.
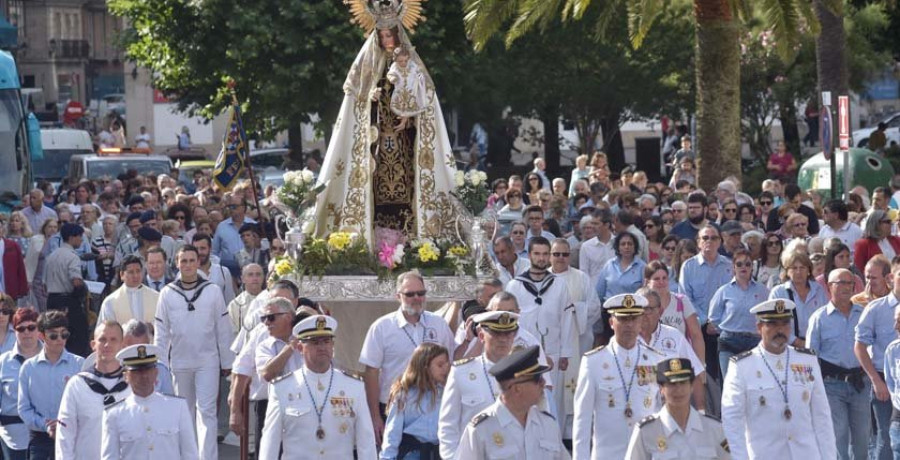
[624, 318]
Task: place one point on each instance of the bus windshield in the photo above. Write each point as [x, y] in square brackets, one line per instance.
[13, 155]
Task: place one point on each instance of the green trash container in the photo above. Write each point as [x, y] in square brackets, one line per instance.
[867, 168]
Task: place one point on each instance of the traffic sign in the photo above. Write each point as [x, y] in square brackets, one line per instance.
[844, 122]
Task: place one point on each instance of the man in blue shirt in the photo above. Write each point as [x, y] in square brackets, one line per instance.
[227, 240]
[892, 380]
[696, 218]
[700, 277]
[729, 310]
[42, 380]
[830, 335]
[874, 332]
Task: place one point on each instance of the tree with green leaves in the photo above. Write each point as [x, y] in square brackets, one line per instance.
[717, 39]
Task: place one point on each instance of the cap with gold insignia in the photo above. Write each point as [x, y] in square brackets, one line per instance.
[773, 310]
[521, 363]
[315, 326]
[497, 321]
[674, 370]
[139, 356]
[626, 305]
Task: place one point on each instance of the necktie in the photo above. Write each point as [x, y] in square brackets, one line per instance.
[157, 283]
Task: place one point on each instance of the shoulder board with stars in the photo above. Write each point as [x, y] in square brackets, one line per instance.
[646, 420]
[460, 362]
[717, 419]
[350, 374]
[114, 404]
[595, 350]
[278, 379]
[548, 414]
[806, 351]
[741, 356]
[479, 418]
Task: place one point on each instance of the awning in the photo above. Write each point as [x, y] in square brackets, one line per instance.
[9, 34]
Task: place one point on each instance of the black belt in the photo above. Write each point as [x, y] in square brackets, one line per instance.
[854, 376]
[39, 436]
[426, 450]
[10, 420]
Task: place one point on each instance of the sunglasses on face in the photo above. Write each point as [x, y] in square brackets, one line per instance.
[743, 264]
[271, 317]
[560, 254]
[63, 335]
[412, 294]
[518, 232]
[730, 210]
[29, 328]
[765, 203]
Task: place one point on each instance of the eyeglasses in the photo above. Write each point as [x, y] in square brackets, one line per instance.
[730, 210]
[271, 317]
[765, 203]
[532, 179]
[650, 226]
[518, 232]
[669, 248]
[709, 238]
[560, 254]
[773, 244]
[747, 264]
[29, 328]
[411, 294]
[54, 336]
[8, 311]
[180, 218]
[509, 197]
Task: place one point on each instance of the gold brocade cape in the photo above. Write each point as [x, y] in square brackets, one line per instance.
[349, 168]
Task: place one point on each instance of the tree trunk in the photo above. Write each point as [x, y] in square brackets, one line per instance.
[831, 60]
[550, 118]
[295, 142]
[718, 92]
[787, 114]
[612, 141]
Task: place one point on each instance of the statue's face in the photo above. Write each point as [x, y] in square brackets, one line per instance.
[387, 39]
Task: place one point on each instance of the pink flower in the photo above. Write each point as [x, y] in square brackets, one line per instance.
[386, 255]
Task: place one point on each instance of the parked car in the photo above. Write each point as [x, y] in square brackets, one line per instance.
[113, 162]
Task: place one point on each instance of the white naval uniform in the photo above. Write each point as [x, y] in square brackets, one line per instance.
[496, 434]
[469, 390]
[660, 437]
[587, 311]
[157, 427]
[673, 344]
[600, 398]
[81, 414]
[291, 416]
[551, 321]
[196, 345]
[753, 407]
[221, 277]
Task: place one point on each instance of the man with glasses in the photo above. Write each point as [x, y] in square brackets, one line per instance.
[794, 200]
[132, 300]
[830, 335]
[647, 204]
[731, 236]
[679, 212]
[227, 242]
[42, 380]
[699, 279]
[534, 216]
[517, 232]
[508, 263]
[837, 224]
[513, 426]
[391, 340]
[324, 407]
[696, 218]
[193, 329]
[874, 332]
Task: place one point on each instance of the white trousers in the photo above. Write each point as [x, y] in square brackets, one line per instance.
[200, 387]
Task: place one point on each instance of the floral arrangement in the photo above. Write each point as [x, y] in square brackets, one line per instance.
[299, 191]
[472, 190]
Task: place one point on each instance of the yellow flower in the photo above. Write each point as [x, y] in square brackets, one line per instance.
[428, 253]
[458, 251]
[338, 240]
[283, 267]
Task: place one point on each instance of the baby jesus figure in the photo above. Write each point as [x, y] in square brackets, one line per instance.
[408, 98]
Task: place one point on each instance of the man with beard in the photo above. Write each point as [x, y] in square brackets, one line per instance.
[546, 311]
[391, 340]
[193, 329]
[213, 272]
[696, 218]
[774, 403]
[85, 397]
[324, 407]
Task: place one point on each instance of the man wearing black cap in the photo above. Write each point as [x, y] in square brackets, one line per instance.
[66, 288]
[147, 424]
[774, 403]
[128, 240]
[253, 252]
[167, 243]
[677, 430]
[513, 426]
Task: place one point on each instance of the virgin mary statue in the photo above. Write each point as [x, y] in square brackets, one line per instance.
[381, 169]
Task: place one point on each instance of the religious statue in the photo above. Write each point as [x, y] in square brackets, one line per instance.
[389, 163]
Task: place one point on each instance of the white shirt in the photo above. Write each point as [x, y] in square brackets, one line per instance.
[245, 363]
[81, 415]
[673, 344]
[593, 255]
[157, 427]
[520, 266]
[268, 349]
[469, 390]
[193, 339]
[583, 294]
[660, 436]
[849, 233]
[391, 340]
[498, 434]
[674, 318]
[753, 407]
[220, 276]
[548, 321]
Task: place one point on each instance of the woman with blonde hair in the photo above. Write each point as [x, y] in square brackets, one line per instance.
[581, 171]
[19, 230]
[410, 432]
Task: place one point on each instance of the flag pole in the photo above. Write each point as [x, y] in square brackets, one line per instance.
[247, 162]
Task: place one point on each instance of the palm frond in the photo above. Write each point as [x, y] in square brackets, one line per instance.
[641, 16]
[575, 9]
[533, 13]
[484, 18]
[787, 18]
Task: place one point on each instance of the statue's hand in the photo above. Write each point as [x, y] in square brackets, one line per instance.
[376, 94]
